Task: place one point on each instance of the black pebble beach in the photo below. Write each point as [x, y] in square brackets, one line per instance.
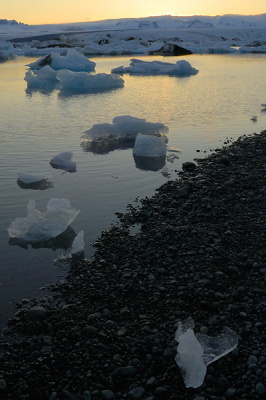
[198, 250]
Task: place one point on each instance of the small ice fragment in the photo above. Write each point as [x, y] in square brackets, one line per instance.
[254, 118]
[171, 157]
[78, 243]
[63, 161]
[263, 105]
[29, 178]
[196, 351]
[149, 146]
[38, 226]
[165, 171]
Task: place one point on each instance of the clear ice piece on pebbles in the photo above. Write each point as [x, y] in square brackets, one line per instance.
[78, 243]
[38, 226]
[196, 351]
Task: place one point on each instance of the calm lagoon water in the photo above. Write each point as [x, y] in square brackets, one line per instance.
[201, 112]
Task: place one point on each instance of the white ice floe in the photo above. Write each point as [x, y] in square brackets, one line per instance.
[42, 78]
[78, 243]
[63, 161]
[29, 178]
[38, 226]
[124, 127]
[84, 82]
[73, 61]
[196, 351]
[140, 67]
[149, 146]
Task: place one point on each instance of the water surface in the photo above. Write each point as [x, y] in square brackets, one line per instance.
[201, 112]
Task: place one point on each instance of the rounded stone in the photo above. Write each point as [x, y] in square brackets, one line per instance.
[107, 394]
[260, 389]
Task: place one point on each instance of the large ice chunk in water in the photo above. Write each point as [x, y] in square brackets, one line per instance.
[196, 351]
[63, 161]
[149, 146]
[84, 82]
[38, 226]
[46, 76]
[124, 127]
[73, 61]
[29, 178]
[140, 67]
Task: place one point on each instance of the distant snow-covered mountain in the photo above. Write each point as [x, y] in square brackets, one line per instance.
[12, 22]
[190, 22]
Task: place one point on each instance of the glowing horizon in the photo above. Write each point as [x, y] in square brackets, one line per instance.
[66, 11]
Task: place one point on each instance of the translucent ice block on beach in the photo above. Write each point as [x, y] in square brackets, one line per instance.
[196, 351]
[78, 243]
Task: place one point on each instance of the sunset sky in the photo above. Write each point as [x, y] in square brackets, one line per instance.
[62, 11]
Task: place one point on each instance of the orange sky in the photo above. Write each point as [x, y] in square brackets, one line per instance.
[62, 11]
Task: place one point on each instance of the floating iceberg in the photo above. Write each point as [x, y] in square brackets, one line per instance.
[63, 161]
[263, 105]
[78, 243]
[83, 82]
[139, 67]
[73, 61]
[29, 178]
[196, 351]
[149, 146]
[124, 127]
[38, 226]
[42, 78]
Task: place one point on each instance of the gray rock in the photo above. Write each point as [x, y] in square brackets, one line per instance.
[260, 389]
[107, 394]
[53, 396]
[136, 393]
[2, 384]
[86, 395]
[36, 313]
[231, 392]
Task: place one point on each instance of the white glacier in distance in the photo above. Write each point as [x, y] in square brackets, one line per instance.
[73, 61]
[82, 82]
[63, 161]
[196, 351]
[149, 146]
[30, 178]
[38, 226]
[124, 127]
[181, 68]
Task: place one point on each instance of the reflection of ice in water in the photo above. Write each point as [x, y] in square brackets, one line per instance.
[38, 226]
[196, 351]
[63, 161]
